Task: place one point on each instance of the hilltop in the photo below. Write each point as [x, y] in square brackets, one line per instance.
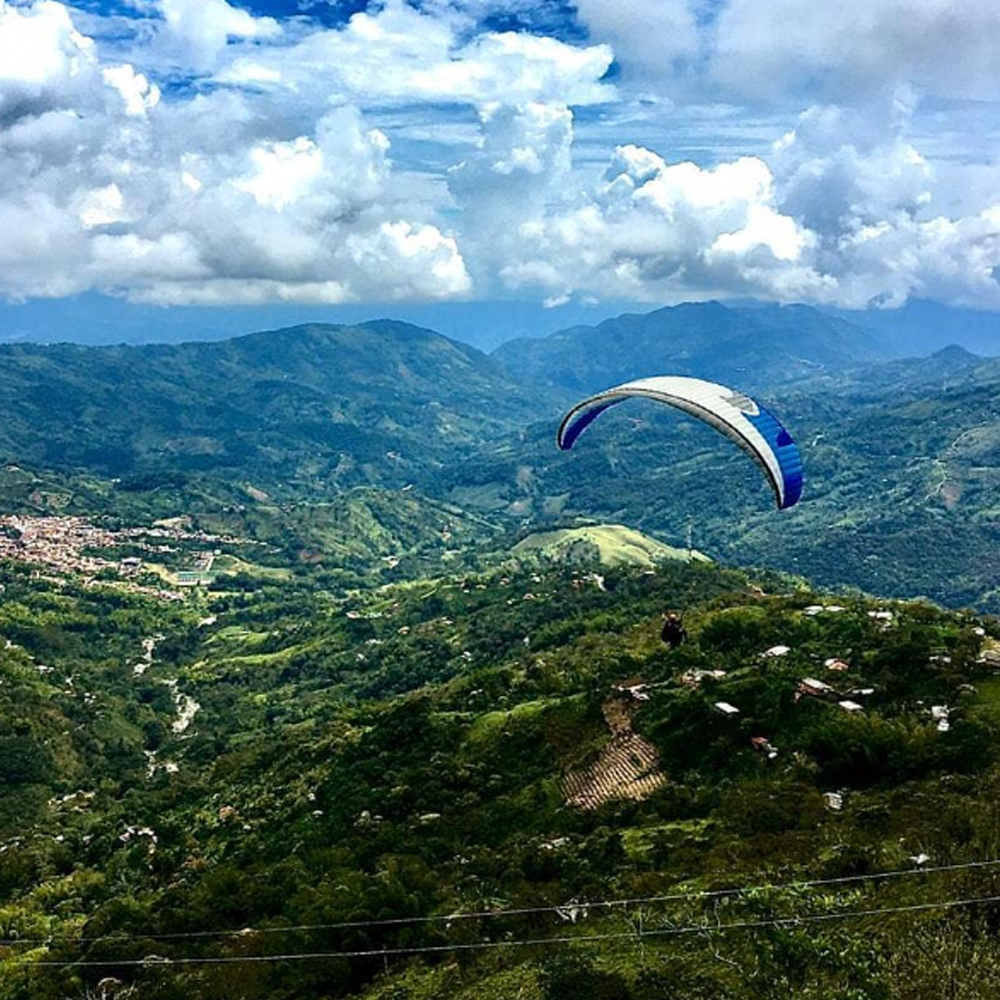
[606, 544]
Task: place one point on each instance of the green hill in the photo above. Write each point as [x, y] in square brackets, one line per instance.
[317, 406]
[607, 544]
[355, 780]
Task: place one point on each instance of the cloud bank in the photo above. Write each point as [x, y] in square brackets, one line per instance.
[209, 156]
[841, 212]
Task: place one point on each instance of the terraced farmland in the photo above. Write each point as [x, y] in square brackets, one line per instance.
[628, 767]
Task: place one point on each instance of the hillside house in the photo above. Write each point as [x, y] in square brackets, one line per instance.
[991, 657]
[693, 678]
[813, 688]
[634, 688]
[940, 714]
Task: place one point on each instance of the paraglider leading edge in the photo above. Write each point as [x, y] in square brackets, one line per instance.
[739, 417]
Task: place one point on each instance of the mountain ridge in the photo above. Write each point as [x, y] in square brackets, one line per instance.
[363, 395]
[757, 347]
[900, 455]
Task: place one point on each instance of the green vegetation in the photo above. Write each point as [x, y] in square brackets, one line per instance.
[385, 445]
[398, 752]
[418, 647]
[607, 544]
[305, 408]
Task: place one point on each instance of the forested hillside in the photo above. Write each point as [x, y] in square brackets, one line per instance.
[317, 406]
[902, 480]
[274, 771]
[385, 442]
[377, 706]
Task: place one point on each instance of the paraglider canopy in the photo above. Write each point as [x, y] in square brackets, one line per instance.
[742, 419]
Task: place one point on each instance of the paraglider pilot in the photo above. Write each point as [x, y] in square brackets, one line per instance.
[673, 632]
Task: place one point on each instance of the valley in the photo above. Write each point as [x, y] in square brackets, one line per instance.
[499, 500]
[902, 464]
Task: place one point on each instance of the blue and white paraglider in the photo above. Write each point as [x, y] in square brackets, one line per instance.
[743, 420]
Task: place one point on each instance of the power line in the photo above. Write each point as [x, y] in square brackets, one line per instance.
[518, 912]
[721, 928]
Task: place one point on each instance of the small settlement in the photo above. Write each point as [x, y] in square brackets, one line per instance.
[73, 545]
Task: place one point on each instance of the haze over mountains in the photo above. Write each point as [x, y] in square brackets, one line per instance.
[922, 327]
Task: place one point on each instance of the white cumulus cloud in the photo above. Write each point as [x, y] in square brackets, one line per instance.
[401, 53]
[650, 231]
[107, 185]
[654, 38]
[138, 94]
[218, 157]
[841, 211]
[199, 30]
[44, 61]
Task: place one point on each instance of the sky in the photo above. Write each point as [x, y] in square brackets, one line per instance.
[206, 165]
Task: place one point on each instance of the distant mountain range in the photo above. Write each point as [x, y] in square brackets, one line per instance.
[381, 403]
[918, 328]
[330, 405]
[922, 327]
[753, 347]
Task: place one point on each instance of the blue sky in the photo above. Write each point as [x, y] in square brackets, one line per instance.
[174, 164]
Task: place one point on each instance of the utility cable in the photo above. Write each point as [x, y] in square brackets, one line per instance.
[578, 905]
[720, 928]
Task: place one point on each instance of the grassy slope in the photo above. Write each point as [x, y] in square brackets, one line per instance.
[607, 544]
